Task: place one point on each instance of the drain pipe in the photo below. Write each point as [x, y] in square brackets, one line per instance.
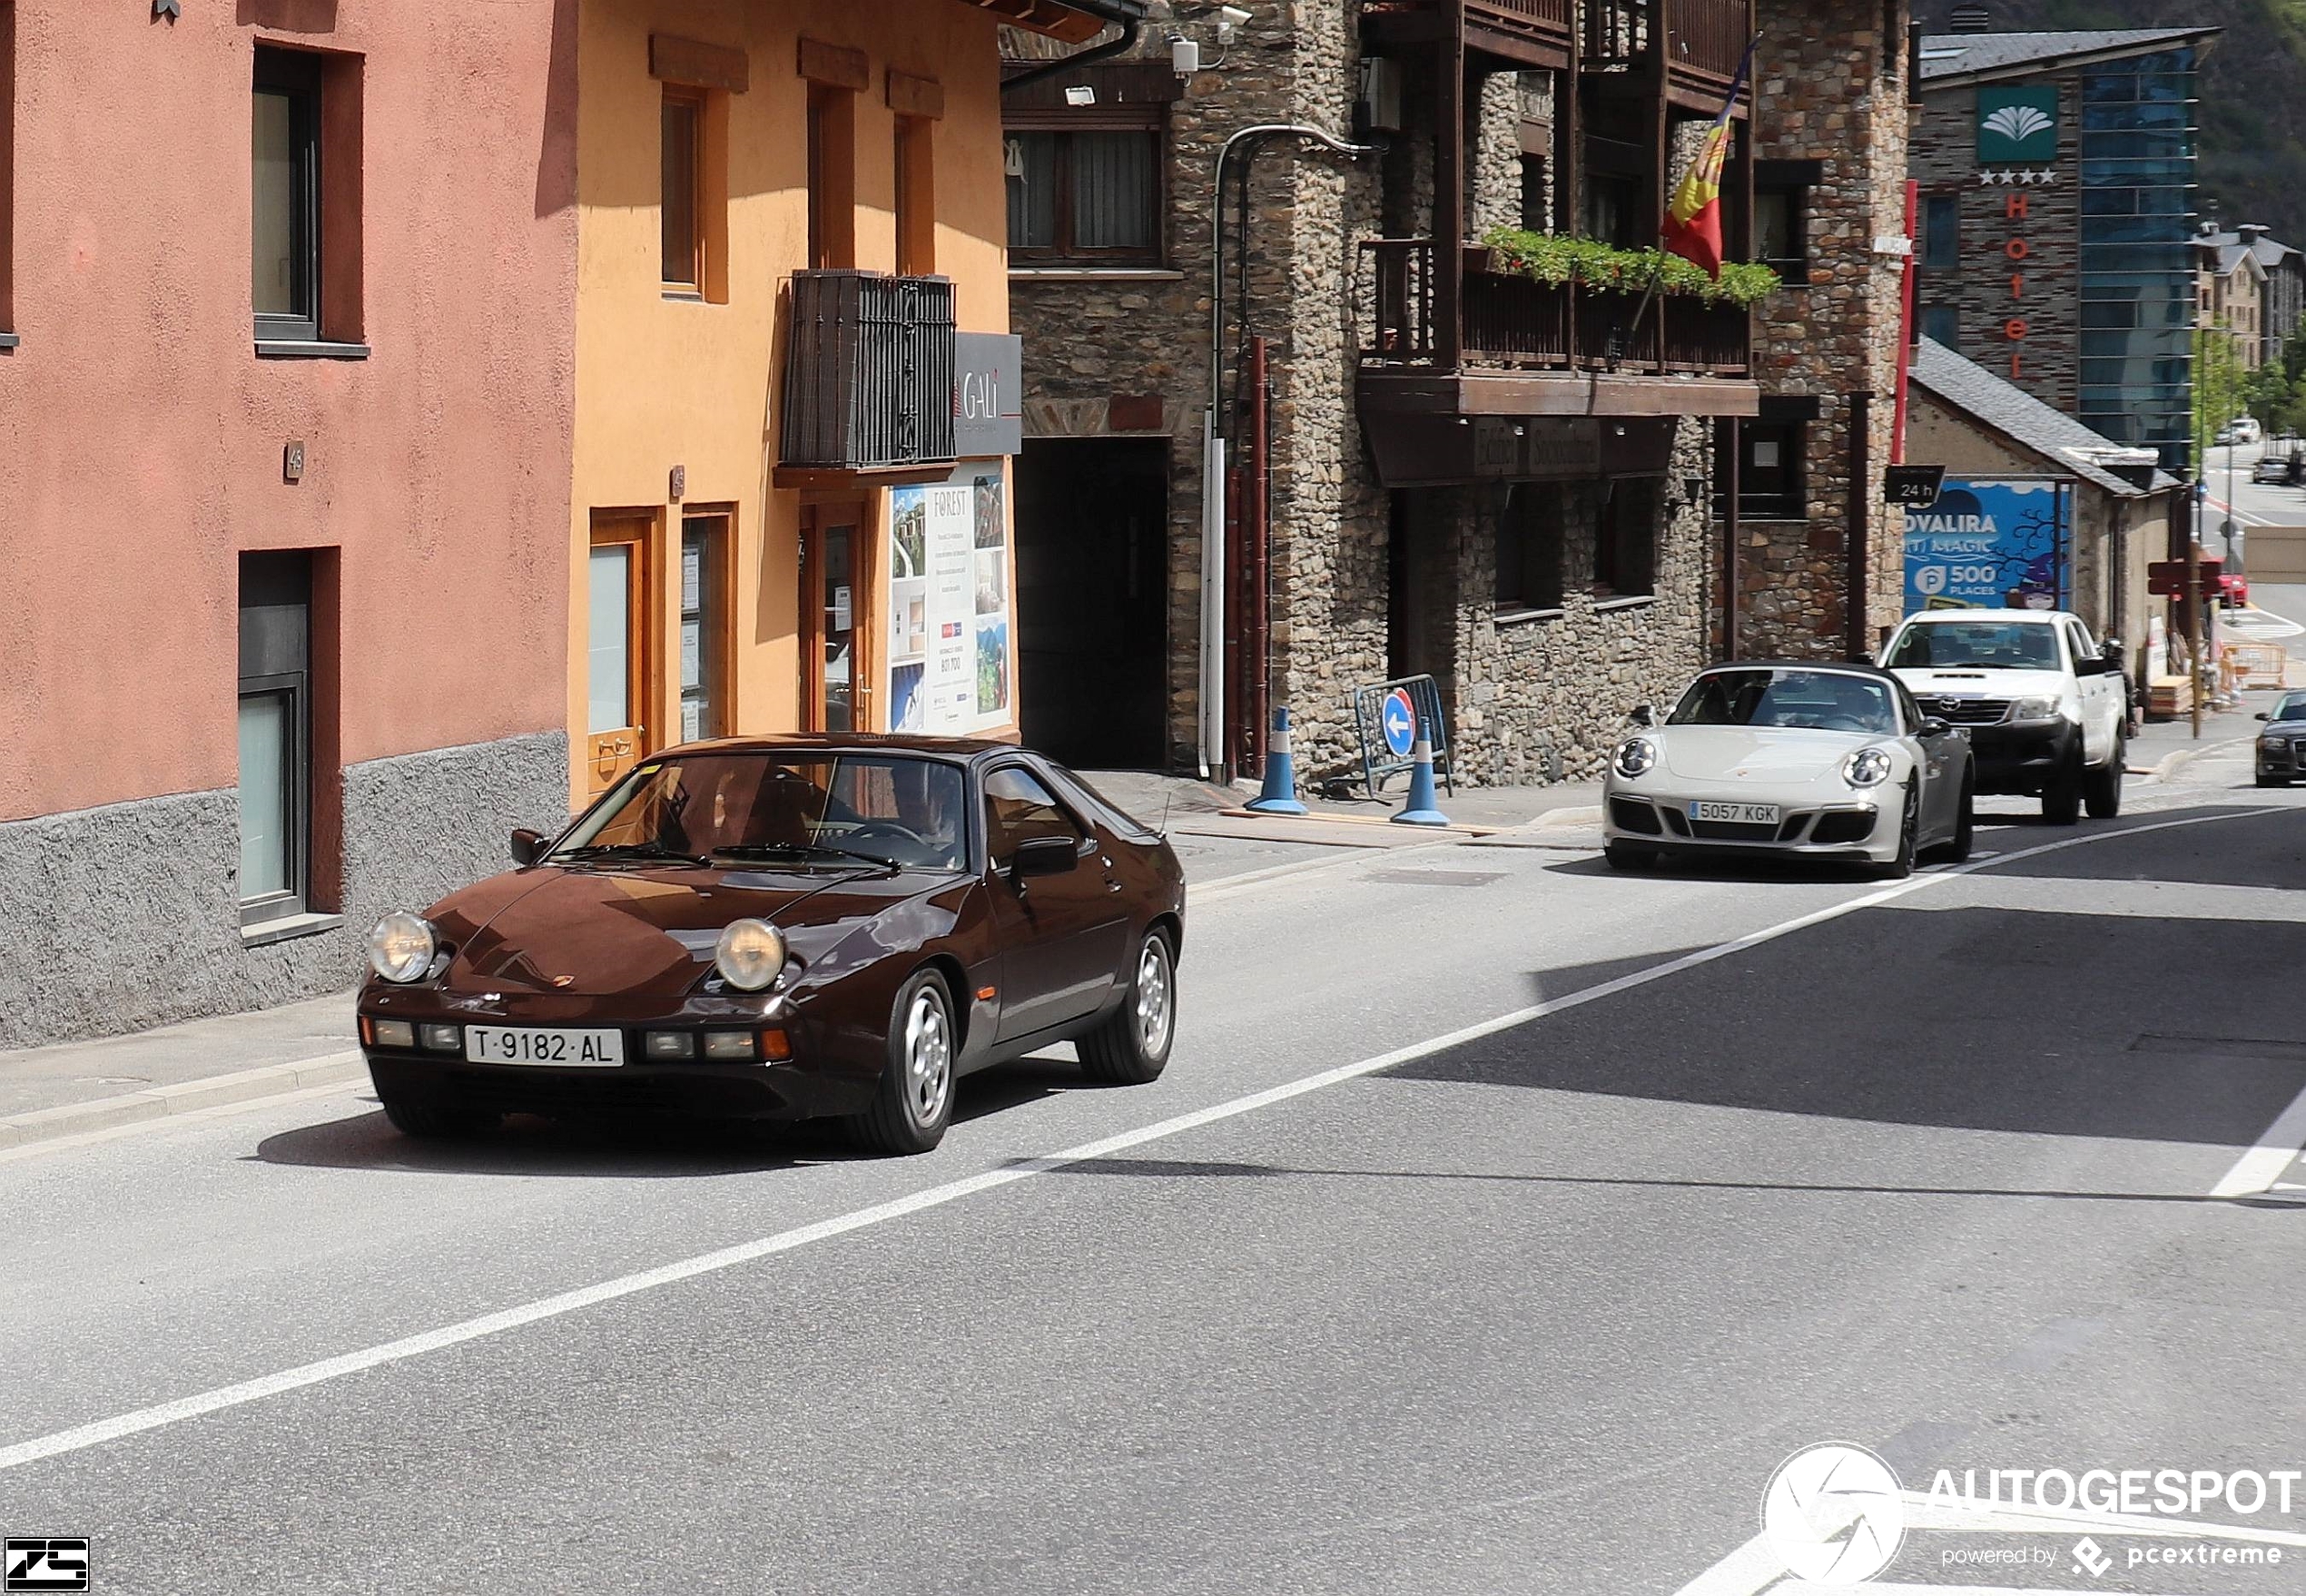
[1212, 683]
[1129, 13]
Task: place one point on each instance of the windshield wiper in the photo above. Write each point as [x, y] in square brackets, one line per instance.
[752, 850]
[630, 850]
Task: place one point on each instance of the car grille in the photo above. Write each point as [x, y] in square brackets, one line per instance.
[1846, 825]
[1966, 711]
[1634, 814]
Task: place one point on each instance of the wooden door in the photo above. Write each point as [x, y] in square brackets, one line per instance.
[620, 647]
[838, 618]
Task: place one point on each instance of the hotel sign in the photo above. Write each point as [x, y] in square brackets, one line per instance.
[2017, 124]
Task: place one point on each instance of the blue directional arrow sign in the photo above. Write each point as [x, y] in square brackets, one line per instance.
[1398, 718]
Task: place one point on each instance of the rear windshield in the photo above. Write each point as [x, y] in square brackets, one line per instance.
[830, 806]
[1818, 701]
[1995, 646]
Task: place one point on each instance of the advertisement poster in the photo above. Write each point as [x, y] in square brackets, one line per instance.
[1989, 545]
[948, 650]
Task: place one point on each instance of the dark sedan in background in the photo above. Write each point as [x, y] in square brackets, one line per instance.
[2282, 745]
[785, 928]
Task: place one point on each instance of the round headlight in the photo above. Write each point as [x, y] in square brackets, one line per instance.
[401, 947]
[1866, 768]
[1636, 755]
[751, 954]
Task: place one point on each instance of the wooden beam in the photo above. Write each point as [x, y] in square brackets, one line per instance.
[915, 96]
[835, 65]
[674, 60]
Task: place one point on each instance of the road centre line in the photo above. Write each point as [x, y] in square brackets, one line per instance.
[242, 1393]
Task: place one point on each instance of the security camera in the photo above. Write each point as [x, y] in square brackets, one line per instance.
[1228, 18]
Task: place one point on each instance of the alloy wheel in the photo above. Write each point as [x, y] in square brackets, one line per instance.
[929, 1055]
[1153, 996]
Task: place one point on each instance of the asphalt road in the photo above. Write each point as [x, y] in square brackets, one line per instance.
[1500, 1225]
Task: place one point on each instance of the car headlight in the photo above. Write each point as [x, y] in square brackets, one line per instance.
[1636, 755]
[401, 947]
[750, 955]
[2035, 709]
[1868, 767]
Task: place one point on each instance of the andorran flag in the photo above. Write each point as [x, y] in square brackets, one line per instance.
[1692, 225]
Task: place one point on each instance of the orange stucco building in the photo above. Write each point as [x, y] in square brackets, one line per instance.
[792, 257]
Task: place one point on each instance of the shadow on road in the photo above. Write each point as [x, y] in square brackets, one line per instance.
[637, 1149]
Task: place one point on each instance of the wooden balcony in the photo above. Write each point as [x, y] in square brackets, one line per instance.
[1533, 349]
[868, 376]
[1704, 41]
[1524, 33]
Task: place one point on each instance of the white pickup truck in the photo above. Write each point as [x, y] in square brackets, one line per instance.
[2047, 709]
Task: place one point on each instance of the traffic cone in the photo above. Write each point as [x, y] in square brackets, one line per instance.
[1279, 794]
[1420, 810]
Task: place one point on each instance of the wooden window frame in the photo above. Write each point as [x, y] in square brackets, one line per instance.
[864, 514]
[1152, 122]
[725, 650]
[915, 156]
[695, 101]
[645, 646]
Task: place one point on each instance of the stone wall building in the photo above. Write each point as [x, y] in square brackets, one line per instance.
[1504, 484]
[2057, 173]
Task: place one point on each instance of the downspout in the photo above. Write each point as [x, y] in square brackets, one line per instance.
[1130, 28]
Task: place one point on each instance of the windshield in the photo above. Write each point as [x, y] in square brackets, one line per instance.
[1993, 645]
[837, 808]
[1821, 701]
[2290, 709]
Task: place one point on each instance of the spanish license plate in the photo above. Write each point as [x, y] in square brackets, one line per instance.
[1751, 815]
[565, 1049]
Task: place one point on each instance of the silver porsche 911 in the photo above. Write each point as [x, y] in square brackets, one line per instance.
[1798, 760]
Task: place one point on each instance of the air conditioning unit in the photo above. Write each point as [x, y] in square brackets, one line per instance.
[1379, 110]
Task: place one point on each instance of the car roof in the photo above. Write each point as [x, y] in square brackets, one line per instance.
[967, 748]
[1842, 666]
[2031, 617]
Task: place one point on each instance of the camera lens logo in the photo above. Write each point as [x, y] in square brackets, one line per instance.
[1833, 1514]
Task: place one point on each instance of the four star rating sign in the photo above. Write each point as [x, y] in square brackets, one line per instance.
[2017, 177]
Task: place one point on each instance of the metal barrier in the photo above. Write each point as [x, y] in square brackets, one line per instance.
[1384, 750]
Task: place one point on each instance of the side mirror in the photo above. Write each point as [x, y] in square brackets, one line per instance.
[1641, 716]
[1932, 726]
[2263, 716]
[527, 846]
[1043, 856]
[2092, 667]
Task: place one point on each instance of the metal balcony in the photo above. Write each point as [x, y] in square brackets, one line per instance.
[868, 372]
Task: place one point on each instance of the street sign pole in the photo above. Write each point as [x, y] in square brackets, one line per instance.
[2194, 628]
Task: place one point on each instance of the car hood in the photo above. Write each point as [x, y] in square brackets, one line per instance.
[1958, 682]
[2283, 729]
[1775, 755]
[646, 931]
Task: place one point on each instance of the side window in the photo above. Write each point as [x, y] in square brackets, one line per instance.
[1017, 808]
[2078, 635]
[1909, 709]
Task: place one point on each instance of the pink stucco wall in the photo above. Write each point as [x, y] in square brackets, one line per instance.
[141, 438]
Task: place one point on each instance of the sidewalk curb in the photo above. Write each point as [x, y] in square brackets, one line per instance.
[2171, 764]
[186, 1096]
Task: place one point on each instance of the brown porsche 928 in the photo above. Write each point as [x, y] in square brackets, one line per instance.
[785, 928]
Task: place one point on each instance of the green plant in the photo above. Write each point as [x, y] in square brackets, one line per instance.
[1556, 258]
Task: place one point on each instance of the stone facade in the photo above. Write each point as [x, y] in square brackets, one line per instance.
[1830, 92]
[139, 923]
[1528, 694]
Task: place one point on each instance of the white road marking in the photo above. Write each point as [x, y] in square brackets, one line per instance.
[2257, 1170]
[245, 1391]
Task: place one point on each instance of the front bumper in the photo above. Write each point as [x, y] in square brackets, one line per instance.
[2024, 757]
[2282, 759]
[829, 1072]
[1850, 829]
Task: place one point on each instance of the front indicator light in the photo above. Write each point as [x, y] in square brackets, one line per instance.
[775, 1044]
[394, 1033]
[670, 1044]
[728, 1044]
[441, 1039]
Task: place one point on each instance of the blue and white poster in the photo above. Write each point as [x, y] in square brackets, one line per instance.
[1989, 545]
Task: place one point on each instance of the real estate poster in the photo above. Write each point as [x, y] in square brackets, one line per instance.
[949, 653]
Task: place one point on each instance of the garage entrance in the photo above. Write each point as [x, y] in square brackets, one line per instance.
[1092, 617]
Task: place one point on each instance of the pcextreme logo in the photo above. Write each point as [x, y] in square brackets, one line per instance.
[1833, 1514]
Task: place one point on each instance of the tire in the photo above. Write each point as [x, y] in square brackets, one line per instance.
[1957, 849]
[1630, 855]
[2062, 799]
[1130, 1046]
[914, 1102]
[437, 1118]
[2102, 787]
[2273, 781]
[1909, 822]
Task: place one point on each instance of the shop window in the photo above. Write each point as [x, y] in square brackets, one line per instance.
[1529, 550]
[305, 267]
[1941, 232]
[275, 734]
[706, 633]
[1625, 541]
[916, 196]
[1085, 195]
